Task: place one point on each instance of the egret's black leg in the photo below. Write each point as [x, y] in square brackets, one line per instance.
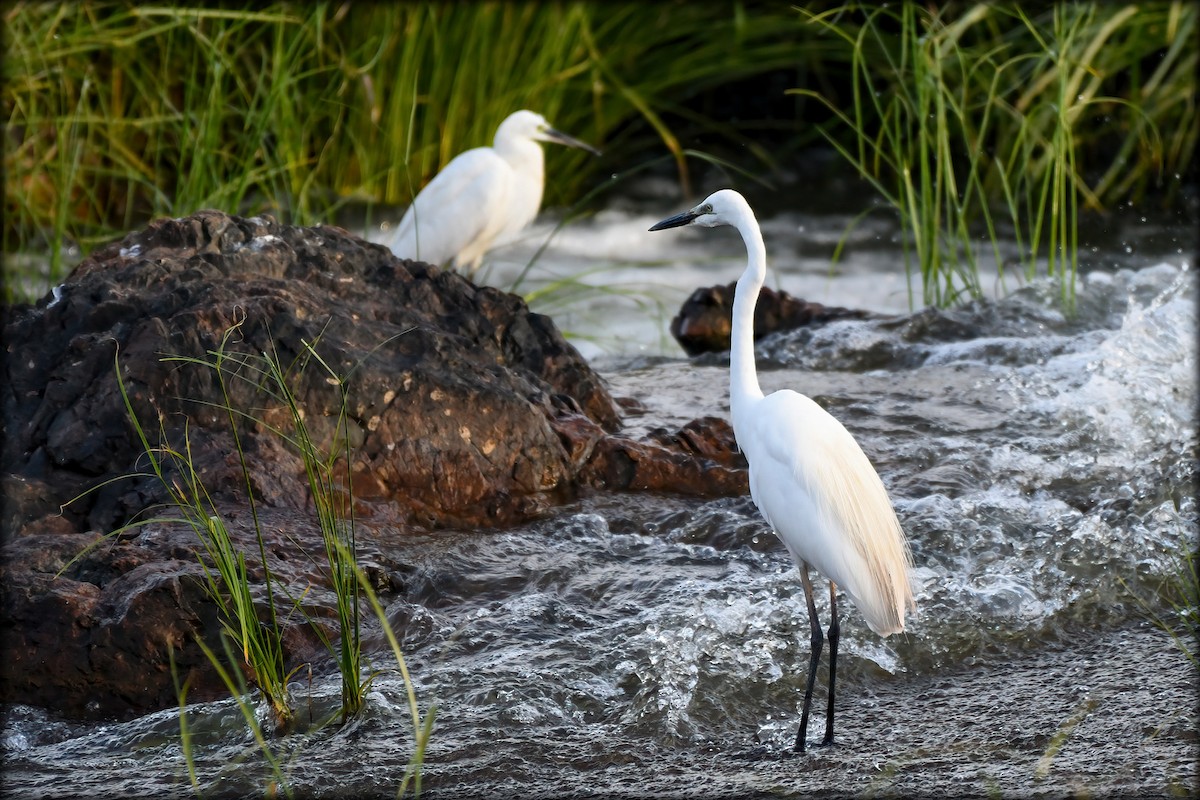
[834, 632]
[814, 658]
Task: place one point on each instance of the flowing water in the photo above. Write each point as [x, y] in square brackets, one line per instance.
[1042, 466]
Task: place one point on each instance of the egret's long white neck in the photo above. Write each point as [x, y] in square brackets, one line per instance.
[528, 170]
[743, 377]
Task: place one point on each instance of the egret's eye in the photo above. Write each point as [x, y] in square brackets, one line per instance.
[707, 208]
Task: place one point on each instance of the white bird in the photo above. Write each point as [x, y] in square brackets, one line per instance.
[482, 196]
[812, 482]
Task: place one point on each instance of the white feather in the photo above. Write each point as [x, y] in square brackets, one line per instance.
[482, 198]
[818, 491]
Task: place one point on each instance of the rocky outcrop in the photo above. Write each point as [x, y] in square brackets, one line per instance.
[451, 387]
[463, 408]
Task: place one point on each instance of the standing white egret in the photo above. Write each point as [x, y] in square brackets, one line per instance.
[482, 195]
[812, 482]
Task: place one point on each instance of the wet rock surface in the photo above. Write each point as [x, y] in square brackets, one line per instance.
[91, 636]
[464, 409]
[703, 323]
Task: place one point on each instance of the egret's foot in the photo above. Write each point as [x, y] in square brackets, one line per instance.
[826, 742]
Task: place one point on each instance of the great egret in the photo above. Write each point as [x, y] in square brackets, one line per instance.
[482, 195]
[812, 482]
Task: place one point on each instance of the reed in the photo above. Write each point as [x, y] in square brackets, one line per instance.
[964, 120]
[258, 647]
[1004, 115]
[227, 581]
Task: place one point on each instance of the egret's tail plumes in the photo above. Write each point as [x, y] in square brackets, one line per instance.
[857, 502]
[854, 506]
[819, 491]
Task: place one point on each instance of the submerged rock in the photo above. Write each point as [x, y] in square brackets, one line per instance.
[463, 408]
[703, 323]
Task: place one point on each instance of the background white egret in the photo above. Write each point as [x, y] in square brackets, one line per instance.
[808, 476]
[483, 196]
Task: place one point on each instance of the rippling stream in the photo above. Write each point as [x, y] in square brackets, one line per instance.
[1042, 466]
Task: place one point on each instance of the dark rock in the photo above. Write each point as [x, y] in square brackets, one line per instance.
[464, 409]
[703, 323]
[699, 459]
[93, 635]
[450, 385]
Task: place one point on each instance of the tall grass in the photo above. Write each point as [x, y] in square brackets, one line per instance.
[227, 581]
[330, 482]
[118, 112]
[907, 142]
[256, 635]
[967, 121]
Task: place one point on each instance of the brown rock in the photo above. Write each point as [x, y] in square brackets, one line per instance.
[703, 323]
[450, 385]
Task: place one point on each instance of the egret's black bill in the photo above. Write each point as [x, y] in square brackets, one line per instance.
[675, 221]
[570, 141]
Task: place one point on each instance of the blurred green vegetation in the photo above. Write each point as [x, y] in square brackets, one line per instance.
[118, 112]
[989, 122]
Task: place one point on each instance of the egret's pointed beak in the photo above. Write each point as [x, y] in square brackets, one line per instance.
[558, 137]
[675, 221]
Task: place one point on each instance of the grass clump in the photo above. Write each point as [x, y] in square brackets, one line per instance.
[972, 121]
[330, 486]
[227, 582]
[251, 654]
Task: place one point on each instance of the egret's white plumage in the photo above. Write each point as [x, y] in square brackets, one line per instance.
[817, 490]
[483, 197]
[808, 476]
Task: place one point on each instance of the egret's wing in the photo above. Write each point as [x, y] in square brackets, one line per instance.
[829, 505]
[455, 209]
